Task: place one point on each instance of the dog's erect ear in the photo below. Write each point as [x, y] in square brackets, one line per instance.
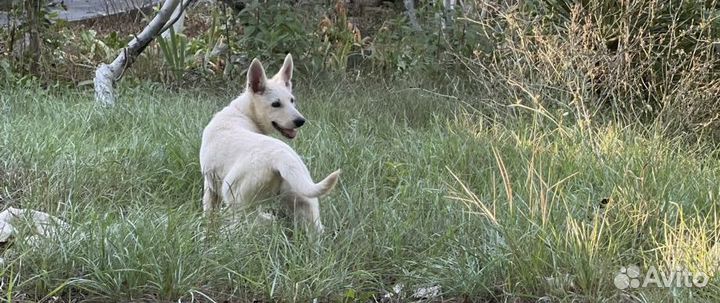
[286, 71]
[256, 77]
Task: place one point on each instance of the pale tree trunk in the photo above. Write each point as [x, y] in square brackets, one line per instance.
[106, 75]
[412, 14]
[447, 23]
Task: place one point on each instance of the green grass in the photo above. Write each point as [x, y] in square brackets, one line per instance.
[431, 194]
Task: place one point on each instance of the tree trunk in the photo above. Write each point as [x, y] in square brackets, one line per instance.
[32, 8]
[449, 7]
[106, 75]
[412, 15]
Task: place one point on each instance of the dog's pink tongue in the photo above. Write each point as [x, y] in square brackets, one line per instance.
[290, 133]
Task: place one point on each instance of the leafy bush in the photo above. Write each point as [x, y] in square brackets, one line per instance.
[174, 51]
[24, 36]
[270, 30]
[322, 37]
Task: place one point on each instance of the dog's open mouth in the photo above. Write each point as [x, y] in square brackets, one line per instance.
[289, 133]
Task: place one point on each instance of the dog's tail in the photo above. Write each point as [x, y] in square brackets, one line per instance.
[303, 185]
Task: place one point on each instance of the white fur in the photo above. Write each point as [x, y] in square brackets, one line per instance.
[241, 163]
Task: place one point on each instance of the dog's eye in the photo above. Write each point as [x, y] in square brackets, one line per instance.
[276, 104]
[292, 100]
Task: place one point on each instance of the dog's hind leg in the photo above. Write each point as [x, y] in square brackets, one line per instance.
[240, 187]
[211, 200]
[229, 194]
[306, 210]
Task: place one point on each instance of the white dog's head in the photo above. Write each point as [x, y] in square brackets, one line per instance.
[272, 99]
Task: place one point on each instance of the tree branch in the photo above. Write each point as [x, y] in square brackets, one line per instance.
[178, 14]
[106, 75]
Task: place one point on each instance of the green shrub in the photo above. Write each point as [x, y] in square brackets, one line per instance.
[270, 30]
[175, 52]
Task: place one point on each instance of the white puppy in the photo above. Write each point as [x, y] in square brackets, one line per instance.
[241, 163]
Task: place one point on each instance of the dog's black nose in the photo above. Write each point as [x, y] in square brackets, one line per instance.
[299, 122]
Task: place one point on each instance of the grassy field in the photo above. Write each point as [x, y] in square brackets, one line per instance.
[537, 209]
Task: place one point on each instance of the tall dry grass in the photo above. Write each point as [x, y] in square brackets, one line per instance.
[649, 61]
